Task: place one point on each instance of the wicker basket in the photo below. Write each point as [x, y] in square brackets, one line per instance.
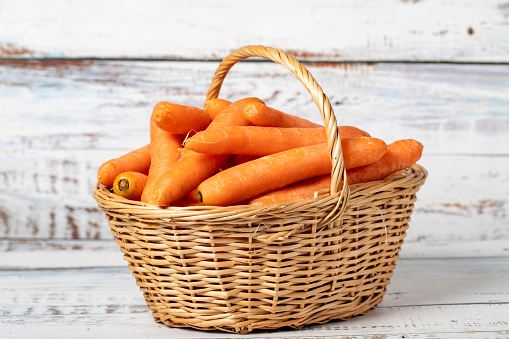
[241, 268]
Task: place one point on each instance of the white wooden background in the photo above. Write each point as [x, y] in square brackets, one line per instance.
[78, 81]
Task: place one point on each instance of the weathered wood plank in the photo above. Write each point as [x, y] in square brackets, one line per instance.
[26, 254]
[452, 108]
[50, 202]
[350, 30]
[79, 114]
[425, 297]
[472, 321]
[60, 254]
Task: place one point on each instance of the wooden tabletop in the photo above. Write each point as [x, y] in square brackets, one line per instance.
[78, 81]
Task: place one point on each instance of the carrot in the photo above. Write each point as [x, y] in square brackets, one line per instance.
[191, 196]
[130, 185]
[361, 151]
[255, 140]
[232, 115]
[229, 116]
[237, 159]
[242, 158]
[164, 153]
[215, 106]
[180, 119]
[260, 114]
[351, 131]
[135, 161]
[300, 190]
[189, 171]
[400, 154]
[247, 180]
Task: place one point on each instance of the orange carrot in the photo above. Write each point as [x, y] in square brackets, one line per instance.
[232, 115]
[237, 159]
[250, 179]
[260, 114]
[300, 190]
[135, 161]
[191, 196]
[229, 162]
[189, 171]
[400, 154]
[255, 140]
[229, 116]
[242, 158]
[215, 106]
[351, 131]
[180, 119]
[164, 152]
[398, 174]
[361, 151]
[130, 185]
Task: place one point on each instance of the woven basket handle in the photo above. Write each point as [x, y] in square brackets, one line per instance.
[338, 174]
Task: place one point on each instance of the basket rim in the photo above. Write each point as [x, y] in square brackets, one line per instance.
[415, 175]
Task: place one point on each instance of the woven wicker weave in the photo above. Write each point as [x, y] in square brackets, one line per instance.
[241, 268]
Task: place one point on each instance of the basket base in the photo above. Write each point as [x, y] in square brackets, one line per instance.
[360, 307]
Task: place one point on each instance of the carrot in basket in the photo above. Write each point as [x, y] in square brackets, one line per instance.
[351, 131]
[232, 115]
[250, 179]
[260, 114]
[235, 160]
[362, 151]
[229, 116]
[300, 190]
[242, 158]
[400, 154]
[180, 119]
[164, 152]
[357, 151]
[134, 161]
[130, 185]
[255, 140]
[186, 203]
[189, 171]
[215, 106]
[192, 196]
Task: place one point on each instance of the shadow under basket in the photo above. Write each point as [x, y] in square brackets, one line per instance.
[241, 268]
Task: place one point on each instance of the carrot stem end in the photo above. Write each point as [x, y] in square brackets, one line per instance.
[123, 185]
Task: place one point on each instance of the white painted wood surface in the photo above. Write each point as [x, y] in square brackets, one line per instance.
[68, 103]
[430, 30]
[62, 119]
[95, 296]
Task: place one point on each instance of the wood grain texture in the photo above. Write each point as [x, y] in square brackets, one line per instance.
[434, 297]
[62, 119]
[436, 30]
[462, 108]
[78, 81]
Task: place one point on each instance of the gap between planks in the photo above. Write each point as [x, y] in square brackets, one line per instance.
[306, 61]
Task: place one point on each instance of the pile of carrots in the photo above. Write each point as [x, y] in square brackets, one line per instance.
[244, 152]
